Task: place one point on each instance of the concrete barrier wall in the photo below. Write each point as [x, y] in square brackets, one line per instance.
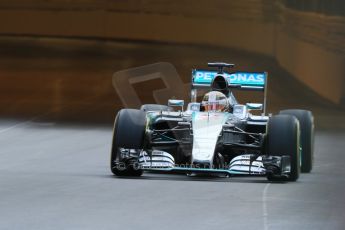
[307, 44]
[312, 48]
[233, 24]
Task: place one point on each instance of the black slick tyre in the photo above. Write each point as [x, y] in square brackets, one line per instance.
[283, 139]
[128, 134]
[306, 121]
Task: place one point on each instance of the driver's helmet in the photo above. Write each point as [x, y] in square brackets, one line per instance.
[215, 101]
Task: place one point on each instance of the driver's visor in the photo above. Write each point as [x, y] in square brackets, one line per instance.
[217, 106]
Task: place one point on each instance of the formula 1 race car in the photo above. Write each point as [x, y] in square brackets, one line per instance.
[217, 136]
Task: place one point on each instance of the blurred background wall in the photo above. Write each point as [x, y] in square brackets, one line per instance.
[305, 37]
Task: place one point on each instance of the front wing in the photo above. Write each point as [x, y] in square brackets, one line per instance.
[160, 161]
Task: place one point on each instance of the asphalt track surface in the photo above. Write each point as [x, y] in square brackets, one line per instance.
[54, 157]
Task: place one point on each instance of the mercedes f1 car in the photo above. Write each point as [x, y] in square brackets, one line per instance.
[215, 136]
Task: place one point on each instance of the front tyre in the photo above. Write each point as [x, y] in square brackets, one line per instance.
[128, 140]
[283, 139]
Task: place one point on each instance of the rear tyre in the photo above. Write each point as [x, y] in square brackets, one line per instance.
[155, 107]
[306, 121]
[128, 134]
[283, 139]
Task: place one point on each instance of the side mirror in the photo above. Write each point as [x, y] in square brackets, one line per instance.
[176, 103]
[240, 111]
[194, 106]
[254, 106]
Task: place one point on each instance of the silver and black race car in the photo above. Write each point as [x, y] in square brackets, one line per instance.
[215, 136]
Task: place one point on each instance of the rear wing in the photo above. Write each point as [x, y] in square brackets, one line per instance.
[252, 81]
[239, 80]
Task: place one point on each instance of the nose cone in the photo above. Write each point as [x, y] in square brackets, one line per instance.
[206, 129]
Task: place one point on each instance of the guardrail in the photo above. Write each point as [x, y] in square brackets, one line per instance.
[326, 7]
[323, 31]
